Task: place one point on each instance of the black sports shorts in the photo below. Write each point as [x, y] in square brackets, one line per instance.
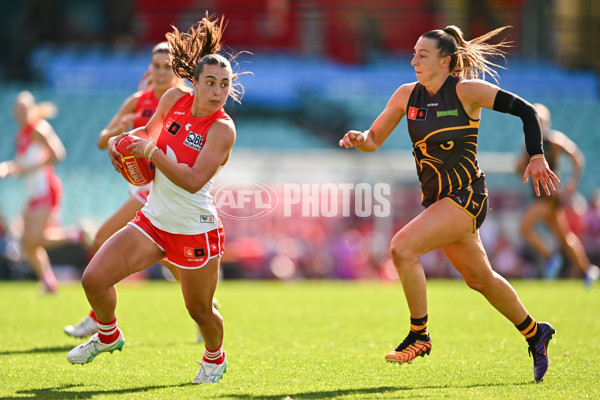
[475, 204]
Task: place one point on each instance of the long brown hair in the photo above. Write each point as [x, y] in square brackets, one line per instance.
[199, 46]
[469, 59]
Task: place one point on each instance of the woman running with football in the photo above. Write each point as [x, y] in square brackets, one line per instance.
[135, 112]
[190, 139]
[38, 148]
[443, 109]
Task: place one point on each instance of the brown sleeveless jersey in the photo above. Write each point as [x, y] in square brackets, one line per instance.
[444, 141]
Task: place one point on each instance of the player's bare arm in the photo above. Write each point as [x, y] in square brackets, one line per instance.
[215, 152]
[120, 122]
[370, 140]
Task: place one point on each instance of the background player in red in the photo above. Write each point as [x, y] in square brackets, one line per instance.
[443, 109]
[550, 209]
[38, 147]
[135, 112]
[194, 137]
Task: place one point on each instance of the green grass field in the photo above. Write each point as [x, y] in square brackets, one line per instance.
[301, 340]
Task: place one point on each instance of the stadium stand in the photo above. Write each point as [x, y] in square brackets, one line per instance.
[292, 107]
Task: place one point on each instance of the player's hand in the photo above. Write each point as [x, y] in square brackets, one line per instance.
[141, 148]
[127, 121]
[352, 139]
[540, 173]
[115, 156]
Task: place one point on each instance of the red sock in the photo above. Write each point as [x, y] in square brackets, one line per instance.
[214, 356]
[108, 332]
[93, 316]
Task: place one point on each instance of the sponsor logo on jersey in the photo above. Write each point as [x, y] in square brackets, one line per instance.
[147, 113]
[194, 141]
[448, 113]
[191, 252]
[417, 113]
[188, 126]
[172, 126]
[178, 112]
[207, 219]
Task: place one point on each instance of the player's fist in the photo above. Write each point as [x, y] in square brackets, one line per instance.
[352, 139]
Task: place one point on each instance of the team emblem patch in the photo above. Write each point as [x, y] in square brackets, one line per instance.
[417, 113]
[459, 199]
[172, 127]
[191, 252]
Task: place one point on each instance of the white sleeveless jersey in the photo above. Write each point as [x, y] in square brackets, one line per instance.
[36, 181]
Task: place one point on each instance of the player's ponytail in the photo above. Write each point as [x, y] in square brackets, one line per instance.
[198, 47]
[469, 59]
[36, 111]
[188, 48]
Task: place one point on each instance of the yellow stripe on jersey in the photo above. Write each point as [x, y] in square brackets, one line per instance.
[472, 124]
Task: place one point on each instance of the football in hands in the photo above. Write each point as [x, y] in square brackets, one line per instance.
[137, 171]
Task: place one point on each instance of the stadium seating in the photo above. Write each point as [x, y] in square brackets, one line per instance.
[297, 104]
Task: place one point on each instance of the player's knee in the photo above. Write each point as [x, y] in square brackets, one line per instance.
[475, 284]
[90, 281]
[480, 283]
[87, 282]
[30, 244]
[401, 252]
[202, 313]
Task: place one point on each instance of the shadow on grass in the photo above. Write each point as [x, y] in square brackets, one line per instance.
[384, 390]
[38, 350]
[63, 392]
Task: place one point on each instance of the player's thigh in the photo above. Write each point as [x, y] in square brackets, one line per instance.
[118, 220]
[198, 285]
[537, 211]
[126, 252]
[438, 225]
[559, 223]
[469, 258]
[34, 225]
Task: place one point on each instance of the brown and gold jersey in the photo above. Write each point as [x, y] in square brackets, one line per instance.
[444, 142]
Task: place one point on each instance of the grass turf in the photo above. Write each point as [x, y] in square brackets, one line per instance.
[302, 340]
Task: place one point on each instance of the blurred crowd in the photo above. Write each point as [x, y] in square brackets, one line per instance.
[296, 247]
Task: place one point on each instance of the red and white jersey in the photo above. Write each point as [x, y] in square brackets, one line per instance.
[30, 153]
[145, 108]
[169, 207]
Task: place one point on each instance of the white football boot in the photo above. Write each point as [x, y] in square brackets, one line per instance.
[211, 373]
[86, 352]
[83, 329]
